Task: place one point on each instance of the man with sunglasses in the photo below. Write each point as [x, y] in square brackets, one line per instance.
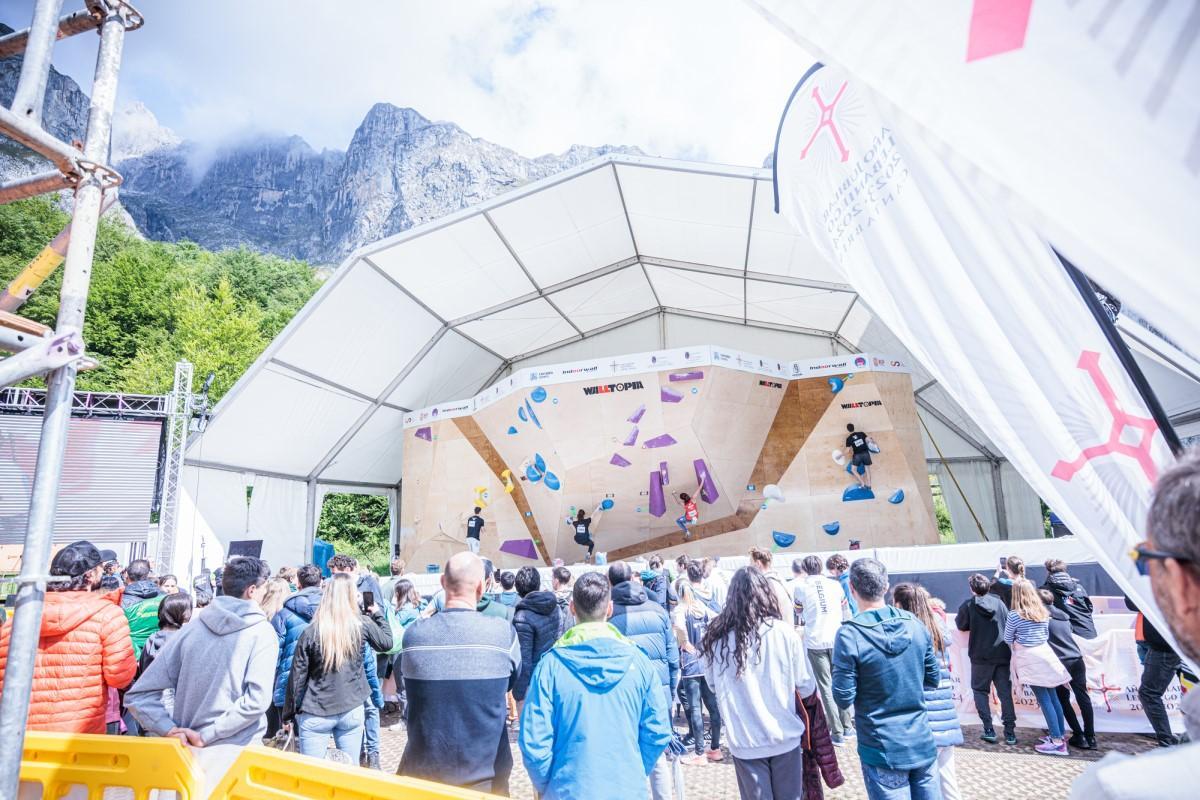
[1170, 556]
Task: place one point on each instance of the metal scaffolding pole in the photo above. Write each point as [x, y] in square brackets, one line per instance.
[23, 641]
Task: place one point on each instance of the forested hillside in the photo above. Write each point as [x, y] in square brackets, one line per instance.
[152, 303]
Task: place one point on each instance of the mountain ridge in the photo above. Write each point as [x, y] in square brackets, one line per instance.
[275, 193]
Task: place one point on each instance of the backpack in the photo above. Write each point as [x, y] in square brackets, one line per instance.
[396, 627]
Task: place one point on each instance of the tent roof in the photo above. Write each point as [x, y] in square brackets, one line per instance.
[591, 261]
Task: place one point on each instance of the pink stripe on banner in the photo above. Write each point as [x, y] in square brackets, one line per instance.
[997, 26]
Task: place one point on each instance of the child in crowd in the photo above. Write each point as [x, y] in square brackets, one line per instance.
[1027, 632]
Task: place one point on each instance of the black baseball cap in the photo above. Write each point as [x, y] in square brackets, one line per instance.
[76, 559]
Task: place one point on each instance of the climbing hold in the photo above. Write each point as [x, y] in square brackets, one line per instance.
[521, 413]
[772, 492]
[832, 528]
[897, 497]
[839, 457]
[856, 492]
[607, 503]
[551, 482]
[783, 539]
[538, 395]
[836, 384]
[512, 429]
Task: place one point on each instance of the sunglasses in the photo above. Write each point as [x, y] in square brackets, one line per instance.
[1142, 555]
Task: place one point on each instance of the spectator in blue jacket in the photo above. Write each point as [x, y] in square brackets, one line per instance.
[296, 614]
[883, 660]
[536, 621]
[939, 702]
[647, 624]
[595, 710]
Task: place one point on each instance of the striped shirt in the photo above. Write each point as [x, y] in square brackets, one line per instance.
[1024, 632]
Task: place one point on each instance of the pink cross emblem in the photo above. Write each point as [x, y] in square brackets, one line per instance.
[827, 122]
[1089, 361]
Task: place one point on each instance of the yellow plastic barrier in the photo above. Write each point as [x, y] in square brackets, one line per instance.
[58, 761]
[261, 773]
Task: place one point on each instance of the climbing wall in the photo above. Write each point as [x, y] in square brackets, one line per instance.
[756, 451]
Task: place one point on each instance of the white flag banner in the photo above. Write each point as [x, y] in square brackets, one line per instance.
[981, 300]
[1081, 117]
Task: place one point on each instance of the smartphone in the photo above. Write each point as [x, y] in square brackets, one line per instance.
[368, 599]
[1003, 562]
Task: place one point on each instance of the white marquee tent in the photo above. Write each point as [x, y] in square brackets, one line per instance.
[622, 254]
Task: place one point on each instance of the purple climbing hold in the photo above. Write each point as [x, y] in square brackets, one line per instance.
[658, 502]
[523, 548]
[425, 433]
[636, 416]
[694, 375]
[708, 489]
[666, 476]
[619, 461]
[631, 438]
[663, 440]
[668, 395]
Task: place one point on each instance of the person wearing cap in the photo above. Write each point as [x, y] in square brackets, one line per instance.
[83, 649]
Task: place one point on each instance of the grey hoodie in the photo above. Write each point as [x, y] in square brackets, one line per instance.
[221, 666]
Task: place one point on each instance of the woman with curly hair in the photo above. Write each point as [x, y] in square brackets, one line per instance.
[755, 664]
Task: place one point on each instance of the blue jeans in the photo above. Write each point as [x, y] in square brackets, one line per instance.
[902, 784]
[1051, 710]
[370, 728]
[312, 733]
[693, 692]
[682, 523]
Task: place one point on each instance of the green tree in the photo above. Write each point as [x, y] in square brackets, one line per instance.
[211, 331]
[357, 525]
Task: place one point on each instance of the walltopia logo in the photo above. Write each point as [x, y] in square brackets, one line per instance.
[608, 388]
[863, 404]
[771, 384]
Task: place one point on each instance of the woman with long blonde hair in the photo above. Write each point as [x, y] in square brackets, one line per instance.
[328, 683]
[1027, 632]
[273, 594]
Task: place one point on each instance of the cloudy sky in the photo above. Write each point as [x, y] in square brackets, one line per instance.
[703, 79]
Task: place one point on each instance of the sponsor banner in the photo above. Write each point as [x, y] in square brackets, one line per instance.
[748, 362]
[981, 300]
[771, 384]
[834, 365]
[1011, 95]
[880, 363]
[1113, 673]
[861, 404]
[616, 386]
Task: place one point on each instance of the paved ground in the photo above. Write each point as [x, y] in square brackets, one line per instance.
[985, 772]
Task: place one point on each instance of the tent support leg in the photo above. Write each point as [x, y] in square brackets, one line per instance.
[310, 520]
[998, 493]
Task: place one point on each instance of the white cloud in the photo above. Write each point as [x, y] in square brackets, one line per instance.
[702, 79]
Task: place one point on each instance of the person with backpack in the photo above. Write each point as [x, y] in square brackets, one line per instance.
[658, 584]
[296, 615]
[691, 620]
[405, 609]
[140, 601]
[560, 580]
[173, 613]
[1070, 597]
[328, 682]
[821, 606]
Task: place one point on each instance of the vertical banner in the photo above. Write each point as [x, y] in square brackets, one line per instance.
[982, 301]
[1080, 118]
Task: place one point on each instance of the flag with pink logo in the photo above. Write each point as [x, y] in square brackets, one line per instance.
[1080, 117]
[982, 301]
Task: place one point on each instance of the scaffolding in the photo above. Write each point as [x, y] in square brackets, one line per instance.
[179, 417]
[59, 353]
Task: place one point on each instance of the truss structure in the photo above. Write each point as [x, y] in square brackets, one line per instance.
[179, 405]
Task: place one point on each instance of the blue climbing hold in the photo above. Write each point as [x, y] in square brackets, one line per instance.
[555, 401]
[532, 415]
[783, 539]
[521, 413]
[897, 497]
[695, 390]
[836, 384]
[551, 481]
[538, 395]
[606, 503]
[539, 462]
[857, 492]
[532, 474]
[832, 528]
[512, 429]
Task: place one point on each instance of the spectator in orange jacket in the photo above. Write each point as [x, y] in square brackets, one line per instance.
[84, 647]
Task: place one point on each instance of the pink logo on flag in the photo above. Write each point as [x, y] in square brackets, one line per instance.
[826, 121]
[997, 26]
[1089, 361]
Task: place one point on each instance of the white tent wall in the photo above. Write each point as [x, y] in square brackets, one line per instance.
[1022, 506]
[214, 512]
